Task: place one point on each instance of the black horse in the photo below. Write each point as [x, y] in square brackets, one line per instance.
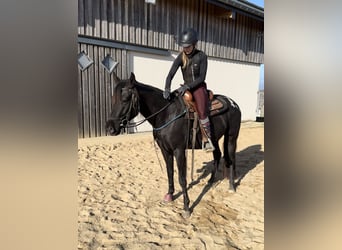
[171, 130]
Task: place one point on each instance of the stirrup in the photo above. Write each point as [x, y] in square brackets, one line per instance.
[208, 146]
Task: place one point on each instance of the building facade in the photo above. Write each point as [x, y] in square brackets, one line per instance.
[141, 37]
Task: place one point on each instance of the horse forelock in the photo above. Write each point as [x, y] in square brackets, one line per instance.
[116, 98]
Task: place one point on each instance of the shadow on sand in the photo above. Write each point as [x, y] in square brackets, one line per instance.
[246, 160]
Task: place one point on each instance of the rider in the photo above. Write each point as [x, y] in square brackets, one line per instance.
[194, 68]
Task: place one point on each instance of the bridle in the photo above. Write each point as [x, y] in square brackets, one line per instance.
[133, 110]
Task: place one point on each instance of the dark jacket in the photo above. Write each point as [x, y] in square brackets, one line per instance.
[194, 73]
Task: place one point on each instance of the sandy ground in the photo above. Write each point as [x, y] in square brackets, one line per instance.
[122, 181]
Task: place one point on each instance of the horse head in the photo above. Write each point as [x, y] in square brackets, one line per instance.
[125, 105]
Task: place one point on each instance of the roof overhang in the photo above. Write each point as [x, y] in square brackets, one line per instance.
[242, 7]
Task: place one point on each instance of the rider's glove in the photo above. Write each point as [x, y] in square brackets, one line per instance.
[166, 94]
[181, 90]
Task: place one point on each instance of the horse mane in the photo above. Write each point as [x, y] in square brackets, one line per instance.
[147, 87]
[158, 93]
[154, 92]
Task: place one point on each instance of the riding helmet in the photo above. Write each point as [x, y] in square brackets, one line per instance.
[188, 37]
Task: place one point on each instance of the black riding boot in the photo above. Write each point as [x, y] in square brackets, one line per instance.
[207, 144]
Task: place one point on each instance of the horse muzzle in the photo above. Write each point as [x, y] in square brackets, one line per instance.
[111, 130]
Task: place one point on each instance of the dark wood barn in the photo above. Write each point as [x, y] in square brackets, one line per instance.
[112, 32]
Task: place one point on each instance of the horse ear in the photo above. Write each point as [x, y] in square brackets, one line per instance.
[132, 79]
[116, 79]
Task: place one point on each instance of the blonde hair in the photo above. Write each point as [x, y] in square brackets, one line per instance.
[185, 60]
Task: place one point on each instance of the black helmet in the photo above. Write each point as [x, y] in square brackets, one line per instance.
[188, 37]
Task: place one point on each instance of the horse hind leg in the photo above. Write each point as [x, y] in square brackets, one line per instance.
[230, 151]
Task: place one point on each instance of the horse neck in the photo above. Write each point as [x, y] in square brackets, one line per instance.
[151, 101]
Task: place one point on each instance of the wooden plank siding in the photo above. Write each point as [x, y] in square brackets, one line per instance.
[95, 86]
[158, 26]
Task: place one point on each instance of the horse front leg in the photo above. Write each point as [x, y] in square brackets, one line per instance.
[181, 164]
[217, 156]
[169, 168]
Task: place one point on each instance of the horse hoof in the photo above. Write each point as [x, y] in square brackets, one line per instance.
[211, 181]
[168, 198]
[186, 214]
[231, 190]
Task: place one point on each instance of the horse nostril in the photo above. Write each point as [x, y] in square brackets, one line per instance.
[110, 130]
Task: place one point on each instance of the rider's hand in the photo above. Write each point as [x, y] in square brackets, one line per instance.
[166, 94]
[181, 90]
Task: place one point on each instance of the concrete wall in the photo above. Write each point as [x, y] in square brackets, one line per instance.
[239, 81]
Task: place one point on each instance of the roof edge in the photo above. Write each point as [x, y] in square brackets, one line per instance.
[241, 6]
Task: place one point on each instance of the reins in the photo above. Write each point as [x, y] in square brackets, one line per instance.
[172, 120]
[124, 120]
[135, 124]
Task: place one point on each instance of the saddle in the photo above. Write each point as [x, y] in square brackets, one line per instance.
[217, 104]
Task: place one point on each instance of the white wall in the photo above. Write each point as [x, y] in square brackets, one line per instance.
[239, 81]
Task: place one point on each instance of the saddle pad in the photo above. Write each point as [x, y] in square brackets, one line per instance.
[217, 106]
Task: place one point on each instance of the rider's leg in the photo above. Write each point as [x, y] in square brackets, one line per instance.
[201, 97]
[207, 144]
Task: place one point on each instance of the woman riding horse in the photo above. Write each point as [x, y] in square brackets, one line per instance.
[170, 129]
[194, 69]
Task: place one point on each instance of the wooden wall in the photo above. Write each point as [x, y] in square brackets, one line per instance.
[158, 26]
[95, 87]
